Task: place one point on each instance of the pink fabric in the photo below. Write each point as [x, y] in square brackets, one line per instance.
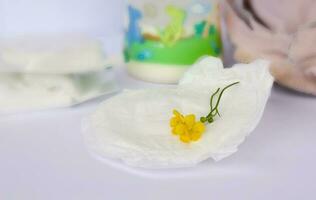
[281, 31]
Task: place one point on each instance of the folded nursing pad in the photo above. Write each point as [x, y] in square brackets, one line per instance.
[30, 92]
[134, 126]
[52, 71]
[53, 54]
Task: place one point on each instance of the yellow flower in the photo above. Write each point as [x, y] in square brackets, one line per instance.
[186, 127]
[190, 130]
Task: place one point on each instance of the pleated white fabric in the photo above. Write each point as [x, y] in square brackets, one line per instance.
[134, 125]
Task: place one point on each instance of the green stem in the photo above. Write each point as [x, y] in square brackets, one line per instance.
[212, 97]
[211, 115]
[221, 94]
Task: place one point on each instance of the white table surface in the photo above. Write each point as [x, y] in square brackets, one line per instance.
[42, 156]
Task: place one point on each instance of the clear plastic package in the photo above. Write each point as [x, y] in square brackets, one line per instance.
[52, 53]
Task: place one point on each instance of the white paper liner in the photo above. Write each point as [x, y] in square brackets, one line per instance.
[134, 126]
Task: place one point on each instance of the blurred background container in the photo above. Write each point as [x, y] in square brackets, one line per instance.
[164, 38]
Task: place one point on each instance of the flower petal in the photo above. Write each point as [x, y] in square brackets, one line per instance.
[176, 113]
[174, 121]
[179, 129]
[189, 120]
[198, 127]
[196, 136]
[185, 138]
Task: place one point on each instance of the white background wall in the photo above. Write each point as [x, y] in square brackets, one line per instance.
[100, 18]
